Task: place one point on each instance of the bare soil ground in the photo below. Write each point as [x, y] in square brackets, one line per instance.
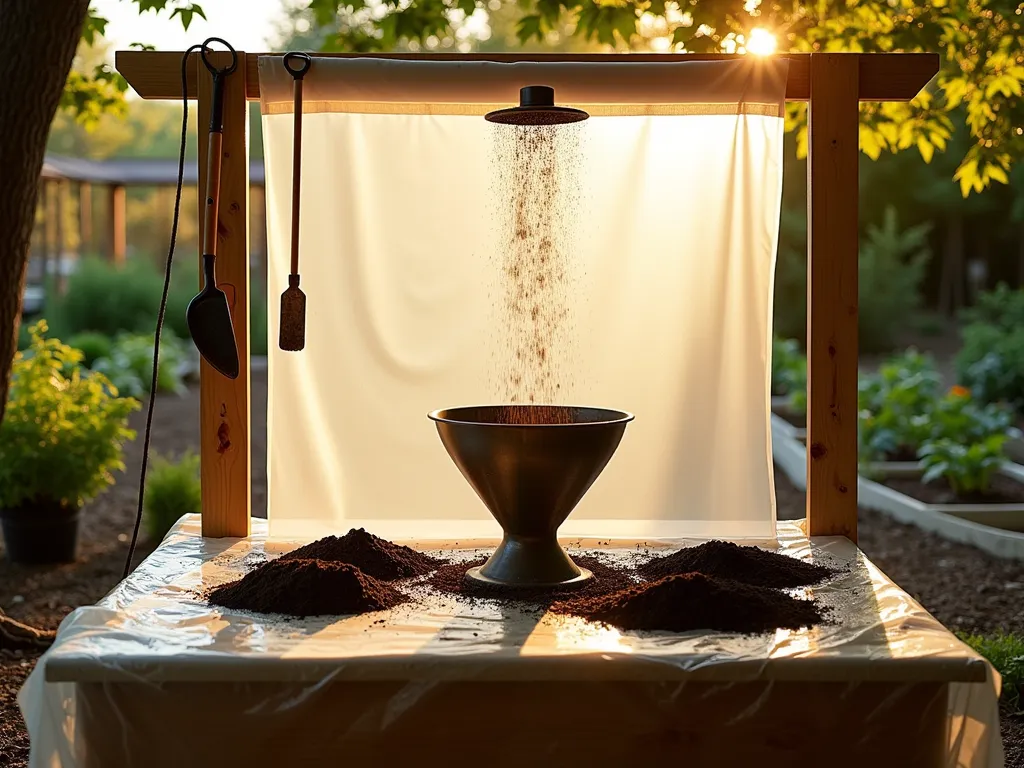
[963, 587]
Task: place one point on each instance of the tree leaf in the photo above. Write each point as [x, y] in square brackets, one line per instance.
[528, 28]
[925, 148]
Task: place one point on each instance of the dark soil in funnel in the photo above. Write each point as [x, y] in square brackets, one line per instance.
[451, 579]
[750, 565]
[374, 556]
[693, 601]
[300, 587]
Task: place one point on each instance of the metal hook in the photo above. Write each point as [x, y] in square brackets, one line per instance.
[214, 70]
[302, 69]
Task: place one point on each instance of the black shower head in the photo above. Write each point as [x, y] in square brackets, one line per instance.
[536, 107]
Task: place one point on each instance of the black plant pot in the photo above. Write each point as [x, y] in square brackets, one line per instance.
[35, 534]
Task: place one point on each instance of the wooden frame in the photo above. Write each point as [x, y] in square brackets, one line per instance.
[832, 83]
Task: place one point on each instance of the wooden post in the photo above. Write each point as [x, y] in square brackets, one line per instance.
[84, 218]
[45, 195]
[118, 224]
[224, 403]
[832, 295]
[61, 282]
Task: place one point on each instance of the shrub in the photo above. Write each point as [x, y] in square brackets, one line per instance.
[967, 468]
[1006, 653]
[787, 362]
[891, 268]
[895, 407]
[991, 360]
[172, 490]
[64, 429]
[93, 345]
[113, 299]
[130, 365]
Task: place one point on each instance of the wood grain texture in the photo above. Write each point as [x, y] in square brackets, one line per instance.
[884, 76]
[224, 403]
[832, 297]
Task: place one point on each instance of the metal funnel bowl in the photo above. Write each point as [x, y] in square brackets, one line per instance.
[530, 465]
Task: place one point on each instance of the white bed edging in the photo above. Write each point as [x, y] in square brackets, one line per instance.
[972, 524]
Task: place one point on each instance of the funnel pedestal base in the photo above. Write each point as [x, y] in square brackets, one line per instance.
[474, 574]
[529, 563]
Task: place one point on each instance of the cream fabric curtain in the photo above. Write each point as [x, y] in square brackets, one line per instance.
[673, 236]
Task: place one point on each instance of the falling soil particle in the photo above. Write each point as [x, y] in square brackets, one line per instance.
[451, 579]
[536, 169]
[374, 556]
[749, 565]
[300, 587]
[693, 601]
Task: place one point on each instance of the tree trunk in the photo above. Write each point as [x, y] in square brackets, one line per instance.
[37, 45]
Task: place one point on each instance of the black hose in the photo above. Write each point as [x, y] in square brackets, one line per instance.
[167, 281]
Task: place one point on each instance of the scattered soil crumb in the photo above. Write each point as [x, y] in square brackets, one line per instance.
[450, 579]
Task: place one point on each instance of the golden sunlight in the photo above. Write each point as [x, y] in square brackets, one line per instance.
[761, 42]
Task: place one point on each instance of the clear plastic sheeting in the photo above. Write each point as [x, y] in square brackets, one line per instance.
[153, 676]
[671, 249]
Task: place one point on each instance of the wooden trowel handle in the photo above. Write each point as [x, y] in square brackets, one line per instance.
[212, 193]
[213, 158]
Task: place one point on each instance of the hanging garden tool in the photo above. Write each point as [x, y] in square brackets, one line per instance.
[208, 315]
[293, 300]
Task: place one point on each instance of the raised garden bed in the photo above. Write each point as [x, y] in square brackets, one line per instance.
[996, 527]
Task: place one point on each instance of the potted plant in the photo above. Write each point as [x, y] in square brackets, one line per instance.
[62, 435]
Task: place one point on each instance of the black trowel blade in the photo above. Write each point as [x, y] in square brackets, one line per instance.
[209, 324]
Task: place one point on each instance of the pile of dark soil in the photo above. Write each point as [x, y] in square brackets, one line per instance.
[374, 556]
[300, 587]
[451, 580]
[749, 565]
[695, 601]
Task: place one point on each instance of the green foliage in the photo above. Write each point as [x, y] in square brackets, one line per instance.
[787, 362]
[64, 429]
[90, 93]
[967, 468]
[891, 268]
[1006, 653]
[130, 364]
[108, 299]
[991, 360]
[172, 490]
[257, 324]
[93, 345]
[959, 417]
[791, 275]
[895, 406]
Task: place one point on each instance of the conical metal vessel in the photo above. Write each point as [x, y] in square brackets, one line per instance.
[530, 475]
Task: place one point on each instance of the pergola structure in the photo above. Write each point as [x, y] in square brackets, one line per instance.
[832, 84]
[86, 180]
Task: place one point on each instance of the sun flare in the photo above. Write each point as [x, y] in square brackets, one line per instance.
[761, 42]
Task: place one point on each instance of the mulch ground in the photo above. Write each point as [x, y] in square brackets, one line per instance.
[963, 587]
